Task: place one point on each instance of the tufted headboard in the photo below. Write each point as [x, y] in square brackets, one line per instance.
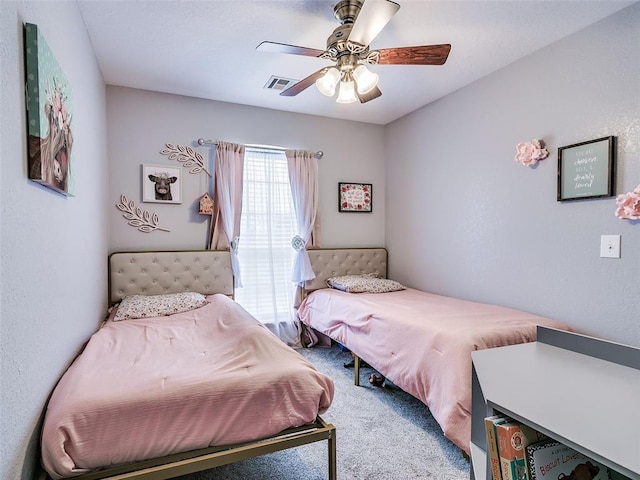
[329, 262]
[156, 273]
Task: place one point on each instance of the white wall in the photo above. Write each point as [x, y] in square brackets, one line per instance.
[140, 123]
[464, 219]
[53, 248]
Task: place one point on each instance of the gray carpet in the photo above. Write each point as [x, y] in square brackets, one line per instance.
[382, 434]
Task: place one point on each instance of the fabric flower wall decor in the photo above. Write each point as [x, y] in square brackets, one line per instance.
[529, 153]
[629, 205]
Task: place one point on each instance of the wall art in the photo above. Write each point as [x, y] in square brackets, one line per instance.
[530, 153]
[205, 204]
[355, 197]
[587, 169]
[161, 184]
[628, 205]
[49, 103]
[190, 159]
[143, 220]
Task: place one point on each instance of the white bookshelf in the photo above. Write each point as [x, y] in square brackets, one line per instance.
[579, 390]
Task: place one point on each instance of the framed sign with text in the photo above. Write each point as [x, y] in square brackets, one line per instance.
[355, 197]
[587, 169]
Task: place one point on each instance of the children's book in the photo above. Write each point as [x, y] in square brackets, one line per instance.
[550, 459]
[511, 451]
[492, 444]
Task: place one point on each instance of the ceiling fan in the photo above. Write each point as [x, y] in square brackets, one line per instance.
[348, 47]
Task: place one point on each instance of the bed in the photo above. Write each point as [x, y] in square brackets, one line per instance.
[159, 397]
[420, 341]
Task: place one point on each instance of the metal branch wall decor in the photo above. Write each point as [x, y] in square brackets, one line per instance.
[190, 158]
[145, 221]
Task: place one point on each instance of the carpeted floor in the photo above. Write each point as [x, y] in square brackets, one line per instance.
[382, 434]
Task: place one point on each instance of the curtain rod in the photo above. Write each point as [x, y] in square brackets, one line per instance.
[202, 141]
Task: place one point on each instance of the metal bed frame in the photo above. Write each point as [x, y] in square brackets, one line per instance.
[207, 272]
[327, 262]
[204, 459]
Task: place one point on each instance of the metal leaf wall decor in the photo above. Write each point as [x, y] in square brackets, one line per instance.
[190, 158]
[145, 221]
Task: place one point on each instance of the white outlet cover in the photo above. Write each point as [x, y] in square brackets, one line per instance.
[610, 246]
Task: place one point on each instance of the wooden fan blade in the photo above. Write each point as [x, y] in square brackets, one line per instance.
[370, 95]
[273, 47]
[373, 17]
[424, 55]
[303, 84]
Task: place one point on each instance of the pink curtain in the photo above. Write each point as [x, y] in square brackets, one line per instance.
[303, 178]
[227, 201]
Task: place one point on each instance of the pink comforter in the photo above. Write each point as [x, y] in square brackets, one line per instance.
[151, 387]
[422, 342]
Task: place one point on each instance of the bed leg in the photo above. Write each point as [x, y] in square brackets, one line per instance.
[465, 455]
[333, 470]
[356, 370]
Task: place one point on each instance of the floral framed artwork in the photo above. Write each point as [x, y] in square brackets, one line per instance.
[49, 103]
[355, 197]
[161, 184]
[587, 169]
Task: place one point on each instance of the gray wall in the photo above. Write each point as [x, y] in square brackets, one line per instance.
[53, 249]
[464, 219]
[140, 123]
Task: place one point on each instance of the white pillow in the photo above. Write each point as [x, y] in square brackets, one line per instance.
[145, 306]
[364, 284]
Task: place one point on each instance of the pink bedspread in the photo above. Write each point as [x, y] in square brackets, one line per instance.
[151, 387]
[422, 342]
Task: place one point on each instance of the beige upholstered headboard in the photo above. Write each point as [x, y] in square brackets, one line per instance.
[156, 273]
[329, 262]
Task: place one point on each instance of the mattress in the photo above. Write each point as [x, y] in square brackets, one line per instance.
[151, 387]
[422, 342]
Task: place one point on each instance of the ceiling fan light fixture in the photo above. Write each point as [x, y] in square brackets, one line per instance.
[365, 79]
[328, 82]
[348, 48]
[347, 92]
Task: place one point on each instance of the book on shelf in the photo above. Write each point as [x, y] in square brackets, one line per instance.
[511, 451]
[513, 437]
[490, 424]
[553, 460]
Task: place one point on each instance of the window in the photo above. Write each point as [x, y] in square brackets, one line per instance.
[267, 225]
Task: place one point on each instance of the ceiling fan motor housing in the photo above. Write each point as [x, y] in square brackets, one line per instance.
[338, 38]
[338, 46]
[346, 11]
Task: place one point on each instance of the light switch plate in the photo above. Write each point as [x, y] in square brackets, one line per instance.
[610, 246]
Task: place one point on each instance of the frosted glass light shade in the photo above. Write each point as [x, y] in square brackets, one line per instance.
[365, 79]
[347, 93]
[327, 83]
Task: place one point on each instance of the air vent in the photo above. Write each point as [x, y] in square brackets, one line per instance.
[279, 83]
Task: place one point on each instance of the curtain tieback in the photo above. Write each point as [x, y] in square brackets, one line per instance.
[234, 244]
[298, 243]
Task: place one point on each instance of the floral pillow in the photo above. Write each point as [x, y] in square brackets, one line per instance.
[368, 283]
[145, 306]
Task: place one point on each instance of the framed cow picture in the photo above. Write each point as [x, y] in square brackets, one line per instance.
[161, 184]
[49, 102]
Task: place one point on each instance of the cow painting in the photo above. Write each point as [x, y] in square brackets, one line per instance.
[161, 184]
[162, 187]
[49, 103]
[49, 155]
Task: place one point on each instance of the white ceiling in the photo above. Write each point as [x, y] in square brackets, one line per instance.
[207, 48]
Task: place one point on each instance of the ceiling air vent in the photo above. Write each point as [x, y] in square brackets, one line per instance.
[279, 83]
